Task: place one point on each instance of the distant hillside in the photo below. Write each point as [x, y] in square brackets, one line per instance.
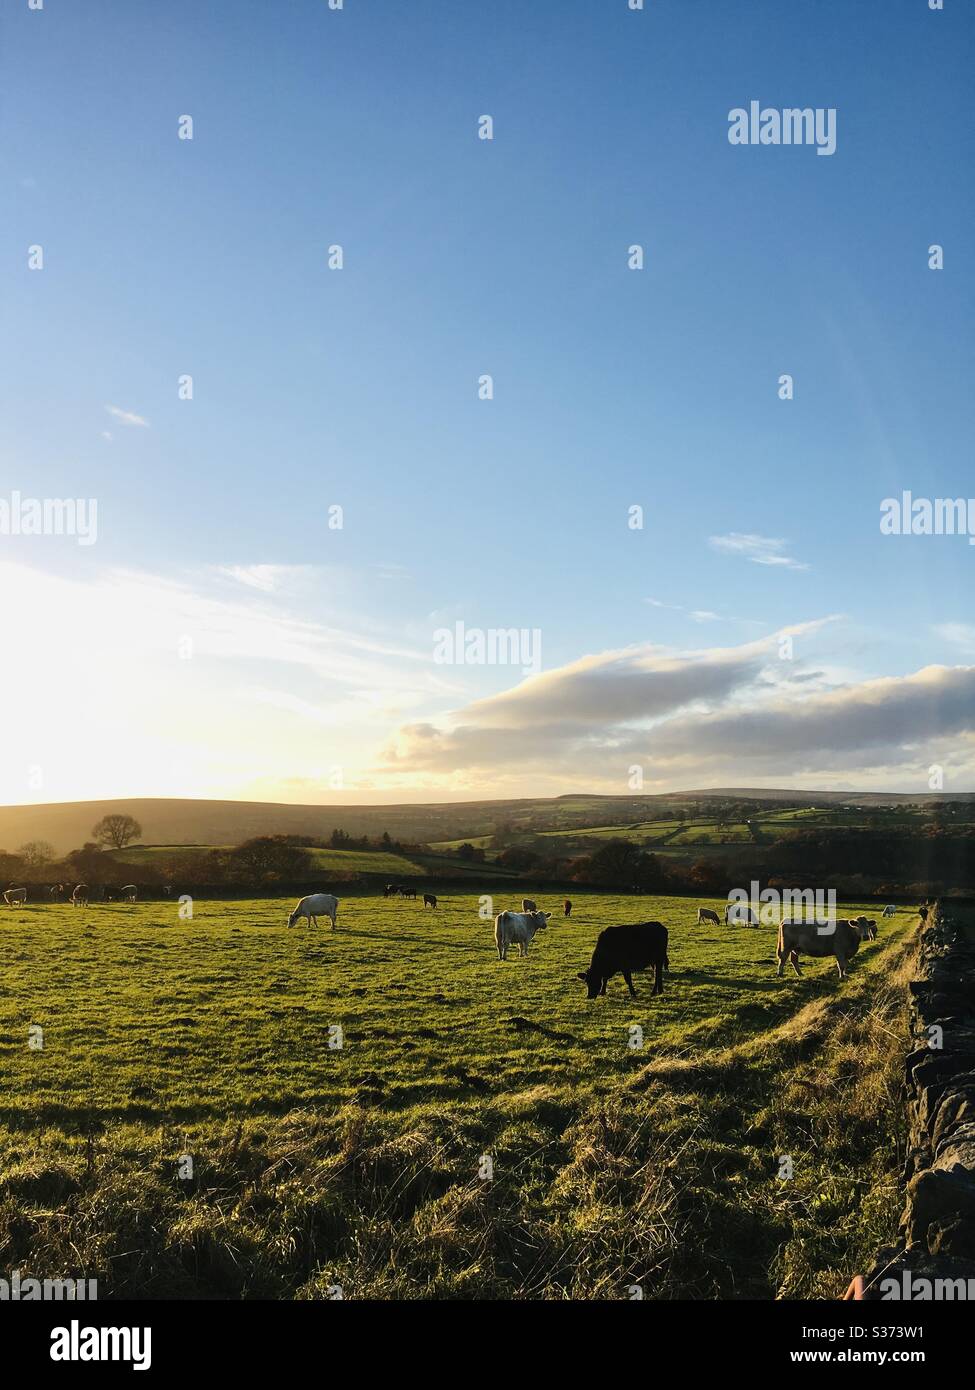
[169, 821]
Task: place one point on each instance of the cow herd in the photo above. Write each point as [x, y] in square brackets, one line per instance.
[625, 949]
[620, 950]
[80, 896]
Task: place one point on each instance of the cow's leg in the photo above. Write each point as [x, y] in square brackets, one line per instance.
[794, 957]
[603, 990]
[629, 982]
[658, 984]
[840, 968]
[781, 955]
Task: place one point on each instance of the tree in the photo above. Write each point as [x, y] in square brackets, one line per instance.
[266, 858]
[117, 830]
[36, 852]
[621, 864]
[517, 858]
[471, 853]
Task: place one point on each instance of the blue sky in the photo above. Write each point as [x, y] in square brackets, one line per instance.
[357, 387]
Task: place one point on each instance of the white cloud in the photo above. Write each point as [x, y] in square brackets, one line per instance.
[269, 579]
[699, 615]
[761, 550]
[712, 717]
[960, 635]
[127, 417]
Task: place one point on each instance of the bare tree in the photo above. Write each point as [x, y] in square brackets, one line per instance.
[117, 830]
[36, 852]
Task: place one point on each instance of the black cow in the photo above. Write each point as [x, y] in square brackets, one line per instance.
[429, 900]
[407, 892]
[621, 950]
[567, 907]
[392, 890]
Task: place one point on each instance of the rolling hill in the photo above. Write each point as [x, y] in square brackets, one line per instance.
[173, 821]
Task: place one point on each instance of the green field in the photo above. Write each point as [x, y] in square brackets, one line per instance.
[336, 861]
[318, 1164]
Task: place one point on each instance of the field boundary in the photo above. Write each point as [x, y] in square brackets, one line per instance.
[937, 1228]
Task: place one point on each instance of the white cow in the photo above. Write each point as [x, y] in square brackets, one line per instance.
[889, 910]
[738, 912]
[314, 906]
[129, 892]
[517, 928]
[15, 895]
[840, 939]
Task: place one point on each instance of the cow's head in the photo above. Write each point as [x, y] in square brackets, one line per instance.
[865, 927]
[540, 919]
[292, 918]
[591, 981]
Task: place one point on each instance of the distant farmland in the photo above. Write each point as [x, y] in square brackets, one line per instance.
[68, 825]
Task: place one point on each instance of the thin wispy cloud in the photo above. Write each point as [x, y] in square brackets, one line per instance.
[699, 615]
[127, 417]
[201, 684]
[960, 635]
[268, 579]
[761, 550]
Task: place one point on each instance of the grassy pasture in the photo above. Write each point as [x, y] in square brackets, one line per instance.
[327, 860]
[359, 1164]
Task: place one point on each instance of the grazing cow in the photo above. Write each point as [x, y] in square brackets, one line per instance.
[527, 905]
[108, 894]
[429, 900]
[407, 892]
[314, 906]
[621, 950]
[738, 912]
[517, 928]
[129, 893]
[392, 890]
[704, 914]
[15, 895]
[870, 925]
[567, 908]
[80, 895]
[843, 942]
[889, 910]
